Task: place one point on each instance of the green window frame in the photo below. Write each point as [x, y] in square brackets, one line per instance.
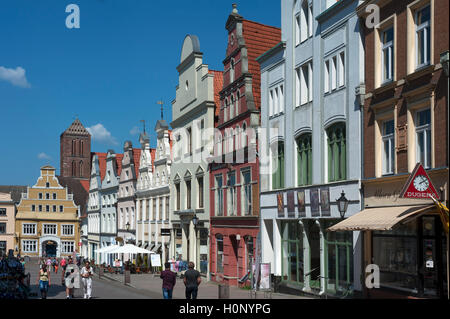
[278, 175]
[292, 261]
[337, 157]
[304, 160]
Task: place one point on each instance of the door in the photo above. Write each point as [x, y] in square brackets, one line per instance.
[314, 253]
[50, 249]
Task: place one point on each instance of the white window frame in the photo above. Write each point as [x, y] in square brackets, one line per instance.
[246, 203]
[231, 196]
[333, 61]
[64, 226]
[45, 228]
[297, 28]
[426, 28]
[389, 46]
[388, 167]
[26, 244]
[306, 83]
[341, 69]
[65, 243]
[29, 224]
[426, 130]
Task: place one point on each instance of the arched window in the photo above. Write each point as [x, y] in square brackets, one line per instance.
[237, 137]
[225, 111]
[232, 71]
[73, 147]
[74, 169]
[81, 169]
[237, 103]
[244, 135]
[232, 107]
[304, 160]
[337, 160]
[81, 148]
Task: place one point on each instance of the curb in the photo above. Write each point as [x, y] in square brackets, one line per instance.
[119, 281]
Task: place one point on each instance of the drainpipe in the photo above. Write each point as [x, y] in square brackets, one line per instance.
[444, 60]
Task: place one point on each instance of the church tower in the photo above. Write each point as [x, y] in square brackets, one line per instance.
[75, 154]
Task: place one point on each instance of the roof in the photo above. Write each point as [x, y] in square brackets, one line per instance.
[119, 158]
[136, 159]
[76, 128]
[259, 38]
[101, 163]
[153, 155]
[15, 191]
[383, 218]
[79, 189]
[218, 85]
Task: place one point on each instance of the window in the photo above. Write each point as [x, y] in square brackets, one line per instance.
[225, 109]
[189, 138]
[67, 230]
[54, 195]
[231, 195]
[188, 194]
[388, 147]
[304, 21]
[306, 83]
[67, 247]
[249, 252]
[200, 192]
[246, 193]
[3, 211]
[304, 160]
[29, 229]
[297, 87]
[333, 73]
[232, 71]
[278, 167]
[47, 208]
[160, 199]
[49, 229]
[387, 54]
[232, 107]
[29, 246]
[423, 137]
[423, 36]
[2, 247]
[326, 77]
[40, 208]
[336, 153]
[61, 208]
[47, 196]
[81, 169]
[2, 228]
[341, 69]
[178, 195]
[47, 185]
[244, 135]
[292, 252]
[33, 209]
[54, 208]
[297, 29]
[281, 99]
[219, 256]
[74, 168]
[167, 207]
[40, 196]
[219, 196]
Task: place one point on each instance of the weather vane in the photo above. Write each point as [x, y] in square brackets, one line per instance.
[161, 103]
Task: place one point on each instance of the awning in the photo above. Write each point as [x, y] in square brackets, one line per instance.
[146, 245]
[151, 247]
[383, 218]
[157, 247]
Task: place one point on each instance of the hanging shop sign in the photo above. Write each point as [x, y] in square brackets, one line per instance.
[419, 185]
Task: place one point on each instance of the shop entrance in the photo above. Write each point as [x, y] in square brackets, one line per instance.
[49, 248]
[314, 253]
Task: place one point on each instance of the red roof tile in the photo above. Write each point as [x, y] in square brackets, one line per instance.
[102, 164]
[218, 85]
[85, 184]
[259, 38]
[136, 159]
[153, 155]
[119, 158]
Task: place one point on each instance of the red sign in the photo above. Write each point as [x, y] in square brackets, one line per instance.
[79, 244]
[419, 185]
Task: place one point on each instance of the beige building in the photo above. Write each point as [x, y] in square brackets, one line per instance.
[47, 220]
[7, 218]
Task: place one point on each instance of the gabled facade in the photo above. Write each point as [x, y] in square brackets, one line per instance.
[153, 192]
[192, 114]
[234, 171]
[126, 205]
[47, 220]
[311, 109]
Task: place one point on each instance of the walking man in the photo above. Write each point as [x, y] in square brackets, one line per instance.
[71, 278]
[191, 280]
[169, 280]
[86, 278]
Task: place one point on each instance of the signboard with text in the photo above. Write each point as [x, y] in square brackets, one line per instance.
[419, 185]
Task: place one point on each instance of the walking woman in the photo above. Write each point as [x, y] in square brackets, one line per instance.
[86, 278]
[44, 281]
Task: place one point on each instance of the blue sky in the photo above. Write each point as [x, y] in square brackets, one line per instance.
[111, 71]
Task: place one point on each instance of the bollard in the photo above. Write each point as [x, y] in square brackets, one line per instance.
[126, 277]
[224, 292]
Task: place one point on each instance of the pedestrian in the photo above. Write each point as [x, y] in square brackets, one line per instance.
[56, 265]
[63, 264]
[53, 263]
[71, 278]
[44, 281]
[49, 263]
[192, 280]
[169, 280]
[22, 261]
[86, 278]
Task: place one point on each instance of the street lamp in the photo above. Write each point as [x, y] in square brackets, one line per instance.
[195, 221]
[342, 204]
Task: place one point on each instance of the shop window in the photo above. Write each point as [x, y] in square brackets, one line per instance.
[219, 254]
[292, 263]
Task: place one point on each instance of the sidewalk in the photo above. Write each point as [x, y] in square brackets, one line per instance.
[207, 290]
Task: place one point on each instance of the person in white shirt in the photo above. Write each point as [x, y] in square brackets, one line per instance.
[86, 278]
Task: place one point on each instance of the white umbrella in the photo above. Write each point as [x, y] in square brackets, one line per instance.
[107, 248]
[130, 249]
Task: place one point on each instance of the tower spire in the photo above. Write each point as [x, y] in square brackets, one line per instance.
[161, 103]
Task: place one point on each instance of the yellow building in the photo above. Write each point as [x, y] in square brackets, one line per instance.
[47, 220]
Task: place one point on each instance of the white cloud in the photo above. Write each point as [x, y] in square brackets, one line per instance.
[44, 156]
[14, 76]
[101, 134]
[135, 130]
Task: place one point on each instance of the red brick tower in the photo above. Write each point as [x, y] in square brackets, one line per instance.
[75, 154]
